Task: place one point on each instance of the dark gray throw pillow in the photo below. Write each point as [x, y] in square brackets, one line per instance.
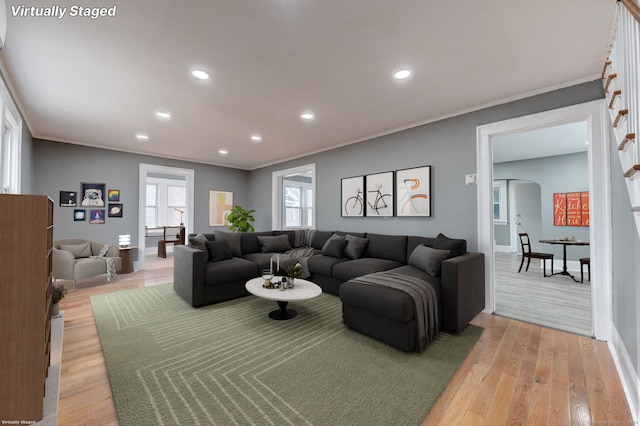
[332, 237]
[277, 244]
[334, 247]
[232, 239]
[355, 246]
[428, 259]
[198, 242]
[456, 247]
[218, 250]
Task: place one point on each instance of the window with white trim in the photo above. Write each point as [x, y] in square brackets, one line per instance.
[10, 144]
[166, 202]
[500, 202]
[298, 204]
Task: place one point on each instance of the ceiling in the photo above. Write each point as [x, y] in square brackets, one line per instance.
[99, 82]
[550, 141]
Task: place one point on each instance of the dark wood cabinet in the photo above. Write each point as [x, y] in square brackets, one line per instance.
[25, 304]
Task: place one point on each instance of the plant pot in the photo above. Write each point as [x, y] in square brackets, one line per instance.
[55, 309]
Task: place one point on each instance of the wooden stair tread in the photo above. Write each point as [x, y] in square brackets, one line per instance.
[632, 171]
[630, 137]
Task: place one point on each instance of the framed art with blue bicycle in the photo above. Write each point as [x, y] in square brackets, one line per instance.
[413, 191]
[379, 194]
[352, 197]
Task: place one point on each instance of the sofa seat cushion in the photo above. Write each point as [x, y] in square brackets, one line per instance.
[91, 267]
[234, 269]
[436, 282]
[322, 265]
[355, 268]
[386, 302]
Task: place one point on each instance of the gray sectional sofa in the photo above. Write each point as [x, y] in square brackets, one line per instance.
[215, 268]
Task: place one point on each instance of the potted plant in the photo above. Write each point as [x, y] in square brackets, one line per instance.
[293, 272]
[240, 220]
[58, 291]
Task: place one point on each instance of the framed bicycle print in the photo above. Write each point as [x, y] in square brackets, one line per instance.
[352, 196]
[379, 195]
[413, 192]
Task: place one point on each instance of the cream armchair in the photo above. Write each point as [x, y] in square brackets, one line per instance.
[75, 259]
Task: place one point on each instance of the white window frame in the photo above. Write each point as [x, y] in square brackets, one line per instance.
[10, 143]
[502, 202]
[162, 205]
[305, 211]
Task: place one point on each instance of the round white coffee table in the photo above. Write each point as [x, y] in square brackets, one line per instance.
[302, 290]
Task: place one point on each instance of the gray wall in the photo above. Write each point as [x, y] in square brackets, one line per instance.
[26, 168]
[449, 146]
[62, 167]
[562, 173]
[626, 268]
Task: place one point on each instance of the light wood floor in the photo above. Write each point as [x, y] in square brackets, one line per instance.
[557, 301]
[518, 373]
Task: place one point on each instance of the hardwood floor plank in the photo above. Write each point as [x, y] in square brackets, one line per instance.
[517, 372]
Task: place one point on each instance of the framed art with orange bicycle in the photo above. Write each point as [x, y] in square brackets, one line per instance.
[413, 192]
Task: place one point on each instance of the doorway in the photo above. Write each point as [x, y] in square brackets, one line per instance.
[306, 173]
[594, 114]
[147, 171]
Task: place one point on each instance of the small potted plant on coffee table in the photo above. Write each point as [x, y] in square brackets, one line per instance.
[293, 272]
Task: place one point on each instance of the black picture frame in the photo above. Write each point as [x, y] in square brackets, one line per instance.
[413, 192]
[352, 192]
[379, 198]
[93, 195]
[115, 210]
[79, 215]
[68, 199]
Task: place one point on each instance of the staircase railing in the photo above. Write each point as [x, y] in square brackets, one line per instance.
[621, 80]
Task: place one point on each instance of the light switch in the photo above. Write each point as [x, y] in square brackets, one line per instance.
[470, 179]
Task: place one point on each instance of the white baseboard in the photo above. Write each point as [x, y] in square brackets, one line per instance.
[504, 249]
[628, 375]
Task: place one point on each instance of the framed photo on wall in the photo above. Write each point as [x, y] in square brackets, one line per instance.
[68, 199]
[96, 216]
[113, 195]
[115, 210]
[379, 197]
[413, 191]
[79, 215]
[352, 196]
[220, 205]
[93, 194]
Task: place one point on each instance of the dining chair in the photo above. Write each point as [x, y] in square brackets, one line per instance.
[585, 261]
[525, 245]
[171, 235]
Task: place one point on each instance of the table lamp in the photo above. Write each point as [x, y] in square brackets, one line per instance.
[124, 240]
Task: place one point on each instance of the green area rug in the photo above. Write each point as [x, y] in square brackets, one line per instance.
[171, 364]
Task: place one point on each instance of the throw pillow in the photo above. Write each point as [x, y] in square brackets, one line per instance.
[326, 243]
[334, 247]
[78, 250]
[198, 242]
[277, 244]
[355, 246]
[455, 246]
[218, 250]
[232, 239]
[428, 259]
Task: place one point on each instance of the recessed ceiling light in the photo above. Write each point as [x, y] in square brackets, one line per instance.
[256, 138]
[402, 74]
[142, 137]
[163, 114]
[200, 75]
[223, 152]
[306, 116]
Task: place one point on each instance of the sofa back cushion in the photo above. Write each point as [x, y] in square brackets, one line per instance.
[274, 243]
[249, 241]
[78, 250]
[291, 235]
[232, 239]
[390, 247]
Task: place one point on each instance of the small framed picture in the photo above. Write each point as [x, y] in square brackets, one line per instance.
[93, 195]
[352, 197]
[96, 217]
[79, 215]
[115, 210]
[68, 199]
[379, 197]
[113, 195]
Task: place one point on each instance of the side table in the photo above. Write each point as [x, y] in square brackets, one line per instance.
[126, 259]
